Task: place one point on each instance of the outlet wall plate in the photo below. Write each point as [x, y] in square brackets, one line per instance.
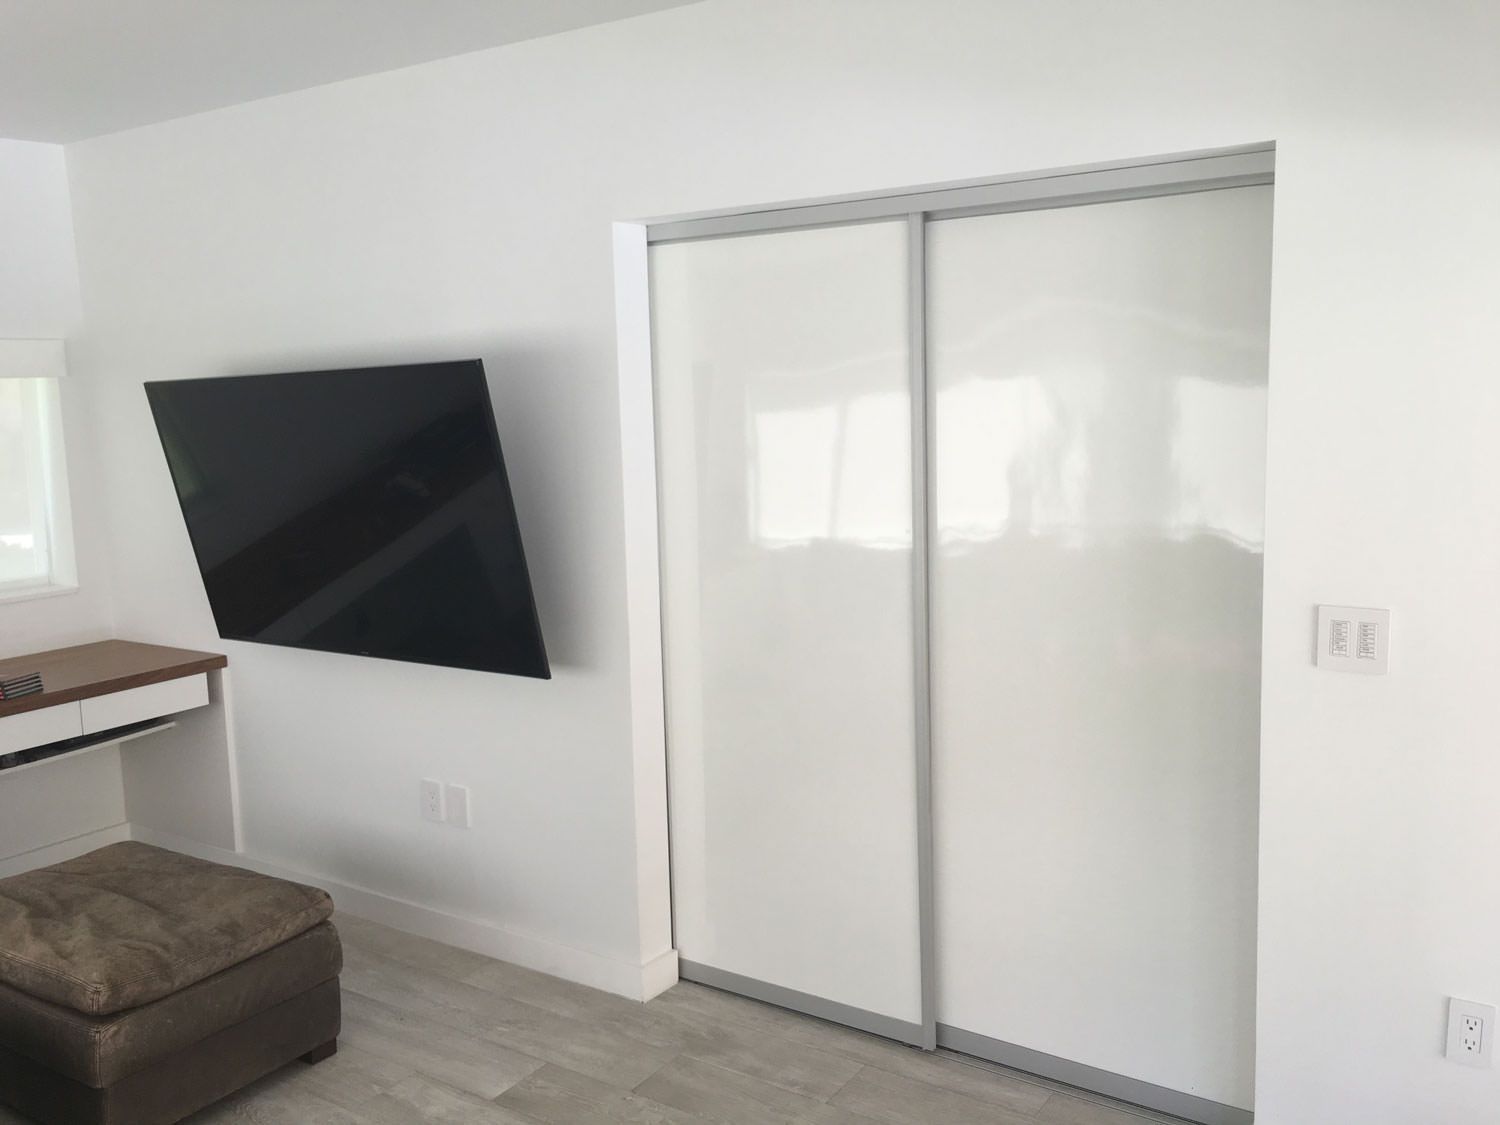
[432, 800]
[457, 799]
[1354, 639]
[1471, 1032]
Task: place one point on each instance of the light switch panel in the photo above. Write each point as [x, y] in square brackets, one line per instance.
[1354, 639]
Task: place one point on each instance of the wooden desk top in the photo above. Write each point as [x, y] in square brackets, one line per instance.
[84, 671]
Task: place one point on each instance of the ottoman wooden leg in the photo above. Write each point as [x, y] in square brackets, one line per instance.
[321, 1052]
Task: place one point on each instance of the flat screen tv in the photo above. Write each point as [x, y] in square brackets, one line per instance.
[363, 511]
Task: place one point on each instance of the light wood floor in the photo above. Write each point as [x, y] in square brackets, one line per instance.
[433, 1033]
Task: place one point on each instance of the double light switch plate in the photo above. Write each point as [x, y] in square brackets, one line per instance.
[1351, 639]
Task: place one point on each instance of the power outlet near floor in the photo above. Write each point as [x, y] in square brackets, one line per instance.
[446, 803]
[456, 797]
[1471, 1031]
[432, 800]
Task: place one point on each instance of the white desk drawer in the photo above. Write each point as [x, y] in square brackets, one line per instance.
[37, 728]
[120, 708]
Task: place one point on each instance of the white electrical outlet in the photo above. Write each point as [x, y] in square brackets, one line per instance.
[1471, 1032]
[458, 806]
[432, 800]
[1351, 639]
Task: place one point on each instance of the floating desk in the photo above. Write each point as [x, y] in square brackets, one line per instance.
[98, 695]
[175, 780]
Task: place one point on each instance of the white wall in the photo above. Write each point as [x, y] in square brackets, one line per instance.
[38, 275]
[464, 207]
[39, 299]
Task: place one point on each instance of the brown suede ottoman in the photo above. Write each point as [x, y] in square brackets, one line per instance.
[138, 985]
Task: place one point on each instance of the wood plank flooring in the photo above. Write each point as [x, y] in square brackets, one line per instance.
[438, 1034]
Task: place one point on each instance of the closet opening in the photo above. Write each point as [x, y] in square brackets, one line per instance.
[961, 501]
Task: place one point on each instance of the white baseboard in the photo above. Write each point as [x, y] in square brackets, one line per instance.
[63, 849]
[636, 982]
[658, 975]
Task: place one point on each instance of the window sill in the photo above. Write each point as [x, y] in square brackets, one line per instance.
[29, 593]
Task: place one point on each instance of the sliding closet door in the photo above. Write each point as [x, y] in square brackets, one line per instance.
[1099, 375]
[784, 421]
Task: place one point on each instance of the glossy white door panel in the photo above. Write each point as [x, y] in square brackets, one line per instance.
[785, 477]
[1099, 376]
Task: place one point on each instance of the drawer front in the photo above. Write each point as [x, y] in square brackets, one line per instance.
[150, 702]
[37, 728]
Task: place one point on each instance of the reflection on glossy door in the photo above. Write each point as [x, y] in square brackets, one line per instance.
[1099, 375]
[784, 456]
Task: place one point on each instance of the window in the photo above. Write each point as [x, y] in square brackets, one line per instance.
[36, 548]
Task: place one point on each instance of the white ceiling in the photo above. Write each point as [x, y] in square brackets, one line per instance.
[71, 69]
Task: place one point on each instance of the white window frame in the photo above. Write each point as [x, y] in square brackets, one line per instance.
[40, 364]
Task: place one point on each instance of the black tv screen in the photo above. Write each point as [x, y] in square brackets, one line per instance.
[363, 511]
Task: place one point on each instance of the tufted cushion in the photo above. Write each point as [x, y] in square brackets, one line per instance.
[130, 924]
